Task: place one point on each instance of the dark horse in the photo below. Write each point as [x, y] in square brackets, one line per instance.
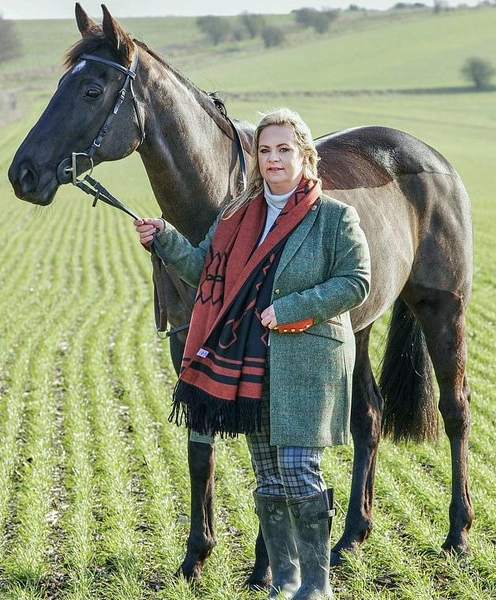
[413, 208]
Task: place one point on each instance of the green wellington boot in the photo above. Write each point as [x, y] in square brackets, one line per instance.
[311, 518]
[275, 522]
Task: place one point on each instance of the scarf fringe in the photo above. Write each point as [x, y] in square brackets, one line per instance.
[209, 415]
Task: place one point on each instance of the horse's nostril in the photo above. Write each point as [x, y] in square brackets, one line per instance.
[26, 179]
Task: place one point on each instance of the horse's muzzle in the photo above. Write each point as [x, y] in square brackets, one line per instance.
[25, 183]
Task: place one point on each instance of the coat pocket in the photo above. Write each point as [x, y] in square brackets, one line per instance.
[331, 328]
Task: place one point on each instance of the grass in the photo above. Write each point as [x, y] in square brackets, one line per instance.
[94, 489]
[422, 52]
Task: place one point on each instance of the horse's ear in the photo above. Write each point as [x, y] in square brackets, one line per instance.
[117, 36]
[85, 23]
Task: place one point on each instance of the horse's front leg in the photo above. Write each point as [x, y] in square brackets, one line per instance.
[366, 414]
[201, 539]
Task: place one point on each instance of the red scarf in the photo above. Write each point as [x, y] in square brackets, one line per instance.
[220, 383]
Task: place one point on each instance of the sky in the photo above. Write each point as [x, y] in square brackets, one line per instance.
[64, 9]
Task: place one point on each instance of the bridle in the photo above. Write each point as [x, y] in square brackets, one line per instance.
[67, 169]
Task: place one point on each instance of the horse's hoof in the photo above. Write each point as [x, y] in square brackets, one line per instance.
[336, 559]
[258, 581]
[456, 546]
[458, 552]
[338, 555]
[191, 574]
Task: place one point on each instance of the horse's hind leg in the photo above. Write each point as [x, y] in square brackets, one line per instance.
[442, 317]
[201, 540]
[366, 414]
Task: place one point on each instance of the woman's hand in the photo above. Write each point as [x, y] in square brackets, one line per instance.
[147, 228]
[268, 317]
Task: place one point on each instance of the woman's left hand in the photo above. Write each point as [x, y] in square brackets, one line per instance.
[268, 317]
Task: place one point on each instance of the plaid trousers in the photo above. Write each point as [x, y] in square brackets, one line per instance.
[293, 472]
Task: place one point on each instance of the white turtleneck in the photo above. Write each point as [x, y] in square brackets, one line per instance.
[275, 203]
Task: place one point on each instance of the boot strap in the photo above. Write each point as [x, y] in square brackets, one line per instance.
[331, 511]
[328, 514]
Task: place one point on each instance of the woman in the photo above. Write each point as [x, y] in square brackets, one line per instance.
[270, 349]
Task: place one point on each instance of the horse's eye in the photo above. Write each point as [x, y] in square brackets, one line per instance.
[93, 92]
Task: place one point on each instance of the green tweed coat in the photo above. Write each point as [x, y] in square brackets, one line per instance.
[323, 273]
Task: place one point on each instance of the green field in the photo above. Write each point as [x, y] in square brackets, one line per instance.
[94, 488]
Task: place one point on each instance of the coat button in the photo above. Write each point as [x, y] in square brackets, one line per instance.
[277, 292]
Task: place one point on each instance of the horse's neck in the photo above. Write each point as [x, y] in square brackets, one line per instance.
[189, 160]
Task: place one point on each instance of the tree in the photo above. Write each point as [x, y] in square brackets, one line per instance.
[324, 20]
[319, 20]
[305, 16]
[10, 46]
[252, 23]
[440, 5]
[272, 35]
[479, 71]
[216, 28]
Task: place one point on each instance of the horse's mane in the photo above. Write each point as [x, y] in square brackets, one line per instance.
[214, 96]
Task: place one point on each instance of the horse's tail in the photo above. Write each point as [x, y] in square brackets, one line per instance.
[406, 381]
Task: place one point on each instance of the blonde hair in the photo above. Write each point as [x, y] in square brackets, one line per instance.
[304, 141]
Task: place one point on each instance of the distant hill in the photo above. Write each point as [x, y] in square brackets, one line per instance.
[384, 51]
[364, 50]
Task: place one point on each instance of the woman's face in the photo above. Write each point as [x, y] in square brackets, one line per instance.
[279, 158]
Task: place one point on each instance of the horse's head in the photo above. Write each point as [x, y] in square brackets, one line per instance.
[92, 117]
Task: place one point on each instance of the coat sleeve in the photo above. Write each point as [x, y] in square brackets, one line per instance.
[174, 249]
[348, 284]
